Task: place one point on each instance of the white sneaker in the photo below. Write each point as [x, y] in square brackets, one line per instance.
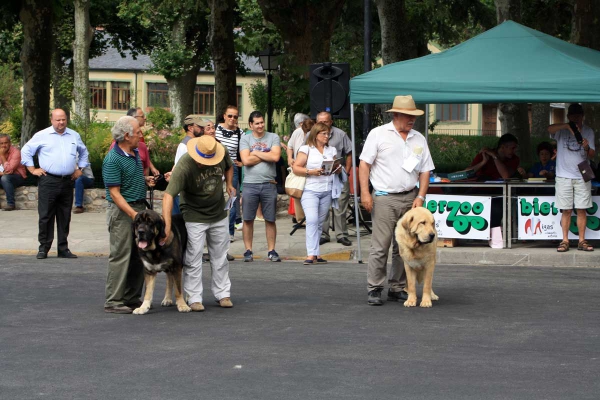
[238, 227]
[231, 238]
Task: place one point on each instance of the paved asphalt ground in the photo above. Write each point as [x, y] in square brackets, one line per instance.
[301, 332]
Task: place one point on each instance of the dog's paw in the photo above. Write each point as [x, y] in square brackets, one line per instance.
[410, 303]
[167, 303]
[425, 303]
[184, 308]
[141, 310]
[434, 297]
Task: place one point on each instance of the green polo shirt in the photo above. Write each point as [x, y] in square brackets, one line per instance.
[200, 189]
[124, 170]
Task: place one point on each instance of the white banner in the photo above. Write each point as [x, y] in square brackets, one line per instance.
[460, 217]
[539, 219]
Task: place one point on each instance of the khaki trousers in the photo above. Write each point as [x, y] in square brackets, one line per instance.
[387, 210]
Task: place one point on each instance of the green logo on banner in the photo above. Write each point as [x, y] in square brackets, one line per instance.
[457, 217]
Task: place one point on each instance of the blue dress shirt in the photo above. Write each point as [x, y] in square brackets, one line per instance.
[57, 154]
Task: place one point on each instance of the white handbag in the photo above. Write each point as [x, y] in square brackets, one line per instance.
[294, 184]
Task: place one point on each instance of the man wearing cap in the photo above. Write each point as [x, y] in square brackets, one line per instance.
[123, 175]
[395, 158]
[342, 143]
[198, 178]
[193, 126]
[61, 155]
[572, 192]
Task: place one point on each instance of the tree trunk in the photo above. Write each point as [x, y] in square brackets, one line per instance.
[36, 58]
[223, 53]
[585, 31]
[540, 119]
[514, 117]
[400, 41]
[182, 87]
[61, 77]
[306, 30]
[84, 33]
[181, 96]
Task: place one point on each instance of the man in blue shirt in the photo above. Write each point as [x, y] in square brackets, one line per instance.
[61, 156]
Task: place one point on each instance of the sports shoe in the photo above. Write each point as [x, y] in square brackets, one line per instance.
[273, 256]
[397, 296]
[248, 257]
[238, 227]
[374, 298]
[231, 238]
[225, 302]
[197, 306]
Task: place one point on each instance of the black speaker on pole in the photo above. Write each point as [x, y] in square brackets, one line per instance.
[329, 89]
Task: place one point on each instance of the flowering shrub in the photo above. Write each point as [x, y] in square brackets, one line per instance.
[162, 144]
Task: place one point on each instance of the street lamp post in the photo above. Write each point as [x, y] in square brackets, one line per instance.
[268, 61]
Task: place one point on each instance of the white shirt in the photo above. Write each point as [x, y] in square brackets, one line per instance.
[181, 150]
[297, 140]
[386, 152]
[569, 153]
[321, 183]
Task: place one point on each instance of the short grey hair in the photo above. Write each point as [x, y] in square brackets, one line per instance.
[123, 126]
[4, 135]
[299, 118]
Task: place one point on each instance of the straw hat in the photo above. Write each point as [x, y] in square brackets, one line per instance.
[405, 105]
[205, 150]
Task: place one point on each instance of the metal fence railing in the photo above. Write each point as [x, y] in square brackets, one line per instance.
[466, 132]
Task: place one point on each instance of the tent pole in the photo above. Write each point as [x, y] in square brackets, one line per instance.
[356, 219]
[427, 122]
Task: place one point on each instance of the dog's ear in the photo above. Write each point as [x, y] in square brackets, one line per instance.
[406, 222]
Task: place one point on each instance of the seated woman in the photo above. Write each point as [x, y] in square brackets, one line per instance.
[316, 198]
[546, 167]
[499, 163]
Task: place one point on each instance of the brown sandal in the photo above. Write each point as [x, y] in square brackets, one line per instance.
[584, 246]
[563, 247]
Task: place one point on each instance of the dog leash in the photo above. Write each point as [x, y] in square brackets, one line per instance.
[150, 203]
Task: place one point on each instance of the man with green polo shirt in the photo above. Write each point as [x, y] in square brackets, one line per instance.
[125, 183]
[198, 179]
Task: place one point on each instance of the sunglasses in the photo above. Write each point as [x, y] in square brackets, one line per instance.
[233, 116]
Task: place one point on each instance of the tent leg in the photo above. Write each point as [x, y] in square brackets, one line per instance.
[356, 219]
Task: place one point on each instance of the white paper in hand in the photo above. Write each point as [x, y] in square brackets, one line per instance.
[229, 203]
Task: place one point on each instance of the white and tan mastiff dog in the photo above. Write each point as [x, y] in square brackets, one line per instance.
[417, 239]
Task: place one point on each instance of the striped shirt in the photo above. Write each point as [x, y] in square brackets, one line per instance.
[230, 139]
[124, 170]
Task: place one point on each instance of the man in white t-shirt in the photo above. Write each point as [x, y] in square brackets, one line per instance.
[572, 192]
[395, 158]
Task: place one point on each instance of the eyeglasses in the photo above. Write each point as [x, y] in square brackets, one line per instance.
[233, 116]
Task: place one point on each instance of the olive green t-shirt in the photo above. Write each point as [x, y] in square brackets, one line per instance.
[200, 189]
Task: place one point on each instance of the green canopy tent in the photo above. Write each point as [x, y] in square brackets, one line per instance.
[510, 63]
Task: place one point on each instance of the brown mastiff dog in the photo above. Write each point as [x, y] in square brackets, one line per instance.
[148, 229]
[417, 239]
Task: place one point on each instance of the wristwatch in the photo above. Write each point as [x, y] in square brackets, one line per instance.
[421, 197]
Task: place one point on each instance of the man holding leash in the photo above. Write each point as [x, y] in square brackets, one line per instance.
[395, 158]
[123, 175]
[198, 178]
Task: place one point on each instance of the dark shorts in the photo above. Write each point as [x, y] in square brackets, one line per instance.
[264, 194]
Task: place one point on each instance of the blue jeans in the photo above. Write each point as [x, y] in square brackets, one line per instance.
[9, 183]
[316, 209]
[83, 182]
[234, 213]
[176, 209]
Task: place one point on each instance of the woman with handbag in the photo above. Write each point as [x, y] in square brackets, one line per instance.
[316, 197]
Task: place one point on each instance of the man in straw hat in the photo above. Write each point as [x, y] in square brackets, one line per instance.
[395, 157]
[198, 177]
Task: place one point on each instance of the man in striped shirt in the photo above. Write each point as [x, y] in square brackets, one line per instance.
[125, 183]
[229, 135]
